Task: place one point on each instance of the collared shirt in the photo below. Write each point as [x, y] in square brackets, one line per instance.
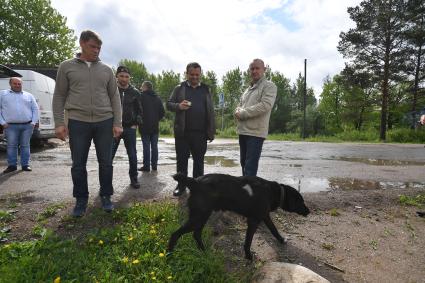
[18, 107]
[188, 83]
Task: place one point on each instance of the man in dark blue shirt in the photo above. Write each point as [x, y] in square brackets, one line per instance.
[194, 123]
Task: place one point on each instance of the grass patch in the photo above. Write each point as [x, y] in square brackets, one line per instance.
[134, 250]
[418, 201]
[328, 246]
[50, 211]
[334, 212]
[5, 216]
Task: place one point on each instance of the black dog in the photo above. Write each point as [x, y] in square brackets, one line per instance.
[252, 197]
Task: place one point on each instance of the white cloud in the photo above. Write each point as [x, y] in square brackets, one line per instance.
[220, 35]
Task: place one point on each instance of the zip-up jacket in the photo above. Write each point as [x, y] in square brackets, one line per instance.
[177, 96]
[131, 108]
[88, 94]
[255, 107]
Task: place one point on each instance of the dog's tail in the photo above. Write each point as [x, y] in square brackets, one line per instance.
[185, 181]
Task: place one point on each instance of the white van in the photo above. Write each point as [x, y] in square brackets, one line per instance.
[42, 87]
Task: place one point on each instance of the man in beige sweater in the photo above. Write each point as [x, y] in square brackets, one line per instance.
[253, 115]
[87, 90]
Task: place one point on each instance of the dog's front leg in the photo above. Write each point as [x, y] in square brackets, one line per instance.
[252, 227]
[186, 228]
[269, 223]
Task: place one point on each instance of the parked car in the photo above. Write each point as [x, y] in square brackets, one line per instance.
[42, 88]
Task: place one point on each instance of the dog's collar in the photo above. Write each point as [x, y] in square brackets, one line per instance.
[282, 195]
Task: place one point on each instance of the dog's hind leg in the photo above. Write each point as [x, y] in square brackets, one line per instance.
[269, 223]
[197, 234]
[252, 227]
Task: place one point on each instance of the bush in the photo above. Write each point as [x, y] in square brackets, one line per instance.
[406, 136]
[166, 127]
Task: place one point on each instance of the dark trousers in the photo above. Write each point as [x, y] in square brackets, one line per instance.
[250, 151]
[81, 135]
[129, 137]
[194, 143]
[150, 150]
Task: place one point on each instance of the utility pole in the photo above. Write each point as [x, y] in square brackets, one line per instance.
[304, 99]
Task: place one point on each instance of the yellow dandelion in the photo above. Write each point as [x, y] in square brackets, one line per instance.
[170, 277]
[57, 280]
[152, 231]
[161, 254]
[136, 261]
[130, 238]
[125, 259]
[100, 242]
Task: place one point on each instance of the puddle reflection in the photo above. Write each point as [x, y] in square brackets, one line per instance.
[380, 162]
[220, 161]
[313, 185]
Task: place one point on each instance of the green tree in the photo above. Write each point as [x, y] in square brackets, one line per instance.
[33, 33]
[210, 78]
[281, 112]
[139, 72]
[330, 105]
[377, 45]
[232, 89]
[415, 35]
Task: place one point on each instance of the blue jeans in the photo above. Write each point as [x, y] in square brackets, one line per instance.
[18, 136]
[250, 151]
[129, 137]
[81, 135]
[150, 150]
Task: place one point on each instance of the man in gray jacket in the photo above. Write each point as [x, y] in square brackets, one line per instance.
[253, 115]
[86, 89]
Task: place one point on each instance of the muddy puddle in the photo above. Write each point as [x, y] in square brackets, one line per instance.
[314, 185]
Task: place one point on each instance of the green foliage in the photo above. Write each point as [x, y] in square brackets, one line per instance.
[5, 216]
[166, 82]
[133, 251]
[50, 211]
[232, 89]
[139, 73]
[166, 127]
[418, 200]
[406, 136]
[33, 33]
[227, 133]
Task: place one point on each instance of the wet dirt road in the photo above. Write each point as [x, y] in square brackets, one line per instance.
[310, 167]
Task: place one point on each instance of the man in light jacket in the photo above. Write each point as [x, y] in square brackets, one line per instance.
[253, 115]
[87, 90]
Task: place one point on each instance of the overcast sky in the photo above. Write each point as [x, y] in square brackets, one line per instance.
[221, 34]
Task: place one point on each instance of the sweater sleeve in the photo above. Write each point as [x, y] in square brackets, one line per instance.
[115, 100]
[268, 97]
[59, 96]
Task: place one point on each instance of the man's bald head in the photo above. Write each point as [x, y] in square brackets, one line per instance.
[15, 84]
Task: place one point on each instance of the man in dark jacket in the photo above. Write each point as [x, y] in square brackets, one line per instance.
[153, 111]
[131, 115]
[194, 123]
